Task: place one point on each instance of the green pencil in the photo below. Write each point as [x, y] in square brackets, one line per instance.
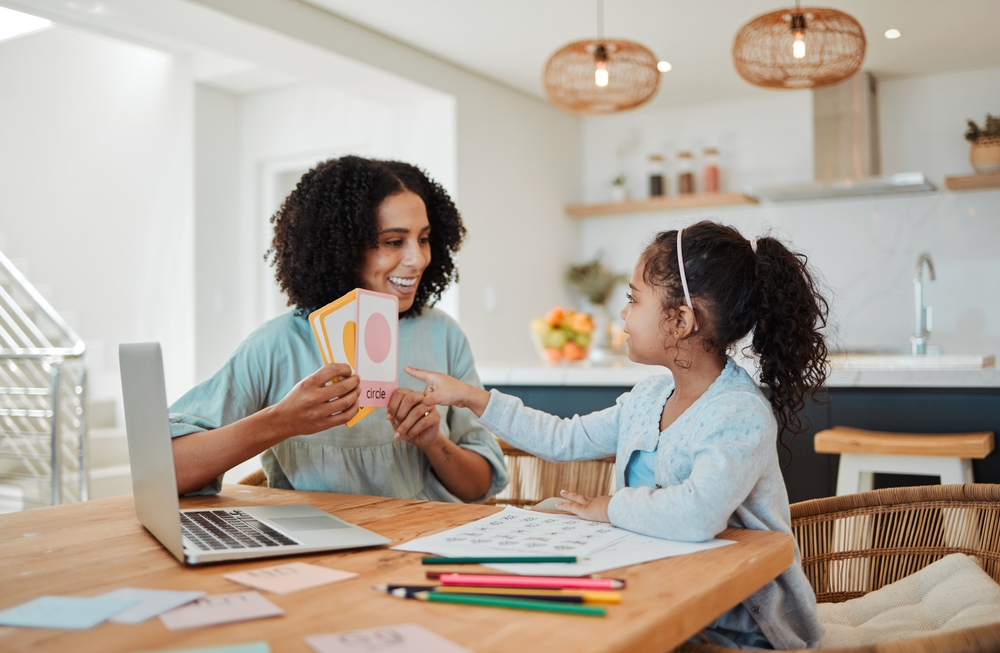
[484, 559]
[504, 602]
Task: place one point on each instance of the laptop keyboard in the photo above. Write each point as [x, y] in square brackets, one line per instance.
[212, 530]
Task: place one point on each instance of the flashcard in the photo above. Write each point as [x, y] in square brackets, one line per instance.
[151, 602]
[362, 329]
[220, 609]
[292, 577]
[69, 612]
[402, 638]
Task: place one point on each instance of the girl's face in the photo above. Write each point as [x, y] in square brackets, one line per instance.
[404, 248]
[644, 323]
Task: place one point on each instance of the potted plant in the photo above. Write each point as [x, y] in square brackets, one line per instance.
[596, 282]
[985, 152]
[619, 189]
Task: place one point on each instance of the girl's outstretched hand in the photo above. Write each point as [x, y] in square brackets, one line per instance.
[592, 508]
[443, 390]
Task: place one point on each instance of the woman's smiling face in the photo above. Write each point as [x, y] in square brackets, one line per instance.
[404, 248]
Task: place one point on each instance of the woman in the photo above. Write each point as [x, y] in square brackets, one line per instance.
[349, 223]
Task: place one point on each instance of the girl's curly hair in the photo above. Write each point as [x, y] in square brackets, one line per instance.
[734, 291]
[324, 227]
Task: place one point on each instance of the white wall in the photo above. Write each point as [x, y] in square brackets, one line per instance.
[762, 141]
[220, 289]
[865, 249]
[922, 120]
[252, 149]
[518, 165]
[96, 191]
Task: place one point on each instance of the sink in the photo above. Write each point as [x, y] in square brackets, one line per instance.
[869, 361]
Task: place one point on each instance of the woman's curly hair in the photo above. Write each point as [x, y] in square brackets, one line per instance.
[325, 226]
[734, 291]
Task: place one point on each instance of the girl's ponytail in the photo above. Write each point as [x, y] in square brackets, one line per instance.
[738, 287]
[786, 334]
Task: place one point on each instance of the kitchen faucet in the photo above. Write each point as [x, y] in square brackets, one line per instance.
[922, 325]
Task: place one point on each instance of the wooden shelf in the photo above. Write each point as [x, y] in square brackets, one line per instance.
[973, 182]
[674, 203]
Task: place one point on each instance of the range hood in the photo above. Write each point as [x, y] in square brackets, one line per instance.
[845, 146]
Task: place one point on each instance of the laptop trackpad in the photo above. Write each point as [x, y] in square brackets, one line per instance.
[306, 523]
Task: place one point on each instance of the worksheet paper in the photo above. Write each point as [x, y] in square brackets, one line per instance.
[221, 609]
[517, 532]
[522, 532]
[402, 638]
[283, 579]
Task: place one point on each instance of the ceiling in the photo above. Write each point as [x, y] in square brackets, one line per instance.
[510, 40]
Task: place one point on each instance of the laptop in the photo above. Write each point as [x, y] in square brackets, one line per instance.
[208, 535]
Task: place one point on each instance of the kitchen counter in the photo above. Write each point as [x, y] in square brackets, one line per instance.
[625, 374]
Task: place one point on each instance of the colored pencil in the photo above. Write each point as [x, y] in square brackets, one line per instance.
[494, 559]
[505, 602]
[531, 582]
[588, 596]
[584, 596]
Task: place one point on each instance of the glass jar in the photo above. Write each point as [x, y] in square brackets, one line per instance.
[685, 173]
[657, 184]
[710, 178]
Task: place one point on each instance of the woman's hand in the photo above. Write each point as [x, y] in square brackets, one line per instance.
[592, 508]
[313, 406]
[443, 390]
[414, 421]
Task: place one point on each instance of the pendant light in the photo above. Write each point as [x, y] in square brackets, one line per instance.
[807, 47]
[600, 75]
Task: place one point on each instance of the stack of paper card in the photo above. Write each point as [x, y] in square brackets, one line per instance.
[292, 577]
[128, 605]
[221, 609]
[402, 638]
[362, 329]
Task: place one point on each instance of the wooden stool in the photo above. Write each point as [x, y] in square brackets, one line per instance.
[863, 453]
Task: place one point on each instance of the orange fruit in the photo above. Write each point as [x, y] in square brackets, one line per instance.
[573, 351]
[552, 354]
[555, 316]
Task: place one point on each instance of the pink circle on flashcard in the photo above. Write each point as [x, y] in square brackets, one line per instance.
[378, 338]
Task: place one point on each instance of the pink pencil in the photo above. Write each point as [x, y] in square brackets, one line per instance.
[531, 582]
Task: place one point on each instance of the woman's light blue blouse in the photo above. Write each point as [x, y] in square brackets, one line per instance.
[363, 459]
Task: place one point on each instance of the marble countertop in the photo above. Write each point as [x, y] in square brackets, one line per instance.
[624, 373]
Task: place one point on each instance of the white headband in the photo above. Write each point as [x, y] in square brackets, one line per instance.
[684, 283]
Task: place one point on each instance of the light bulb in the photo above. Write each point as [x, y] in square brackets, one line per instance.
[664, 66]
[601, 74]
[799, 46]
[892, 34]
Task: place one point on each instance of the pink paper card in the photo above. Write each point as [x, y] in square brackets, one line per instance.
[401, 638]
[292, 577]
[221, 609]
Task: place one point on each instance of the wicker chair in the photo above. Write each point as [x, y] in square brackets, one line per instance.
[854, 544]
[257, 478]
[533, 479]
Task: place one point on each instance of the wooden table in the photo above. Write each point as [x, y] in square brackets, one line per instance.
[89, 548]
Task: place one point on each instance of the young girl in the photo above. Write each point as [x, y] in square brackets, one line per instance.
[696, 449]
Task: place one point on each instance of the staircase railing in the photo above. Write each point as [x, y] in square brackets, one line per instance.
[43, 386]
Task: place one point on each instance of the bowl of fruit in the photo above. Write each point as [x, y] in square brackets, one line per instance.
[563, 334]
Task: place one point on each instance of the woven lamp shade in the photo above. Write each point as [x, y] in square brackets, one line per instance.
[834, 49]
[568, 77]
